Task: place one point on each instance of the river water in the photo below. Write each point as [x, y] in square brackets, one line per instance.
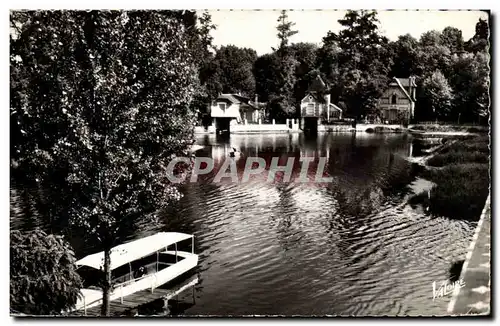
[352, 246]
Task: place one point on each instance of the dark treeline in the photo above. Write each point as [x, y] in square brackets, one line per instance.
[357, 63]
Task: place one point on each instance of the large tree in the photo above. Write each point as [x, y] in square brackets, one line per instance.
[305, 55]
[451, 37]
[405, 51]
[285, 30]
[432, 54]
[204, 50]
[43, 277]
[327, 62]
[231, 71]
[266, 69]
[470, 81]
[364, 61]
[438, 94]
[100, 102]
[282, 102]
[480, 41]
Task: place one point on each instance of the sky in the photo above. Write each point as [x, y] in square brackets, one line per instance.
[256, 29]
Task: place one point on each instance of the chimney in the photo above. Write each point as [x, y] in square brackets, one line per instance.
[327, 100]
[412, 89]
[410, 84]
[415, 88]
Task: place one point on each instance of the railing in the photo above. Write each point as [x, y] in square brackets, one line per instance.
[131, 280]
[149, 271]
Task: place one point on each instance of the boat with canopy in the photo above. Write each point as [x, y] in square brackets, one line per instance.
[142, 264]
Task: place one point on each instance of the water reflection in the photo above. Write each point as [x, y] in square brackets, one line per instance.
[350, 246]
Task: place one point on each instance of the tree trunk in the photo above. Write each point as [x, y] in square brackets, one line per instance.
[106, 287]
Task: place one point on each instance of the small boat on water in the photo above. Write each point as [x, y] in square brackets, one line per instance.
[138, 265]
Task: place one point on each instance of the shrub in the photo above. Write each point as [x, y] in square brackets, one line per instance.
[43, 277]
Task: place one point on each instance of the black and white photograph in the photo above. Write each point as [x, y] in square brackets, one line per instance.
[174, 163]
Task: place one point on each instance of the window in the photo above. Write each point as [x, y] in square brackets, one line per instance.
[393, 99]
[222, 106]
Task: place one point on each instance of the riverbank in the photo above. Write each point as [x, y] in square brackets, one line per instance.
[460, 170]
[447, 129]
[420, 130]
[284, 128]
[369, 128]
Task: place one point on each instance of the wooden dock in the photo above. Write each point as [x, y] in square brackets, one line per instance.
[127, 306]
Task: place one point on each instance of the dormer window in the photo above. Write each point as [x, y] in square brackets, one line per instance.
[394, 99]
[222, 106]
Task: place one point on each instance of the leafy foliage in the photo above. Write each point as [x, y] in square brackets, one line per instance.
[266, 69]
[101, 100]
[285, 30]
[230, 71]
[357, 62]
[363, 61]
[479, 42]
[438, 93]
[43, 277]
[405, 51]
[470, 81]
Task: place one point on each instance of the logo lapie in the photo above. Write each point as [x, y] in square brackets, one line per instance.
[440, 290]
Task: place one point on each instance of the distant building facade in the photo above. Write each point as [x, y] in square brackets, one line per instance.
[316, 103]
[397, 103]
[230, 109]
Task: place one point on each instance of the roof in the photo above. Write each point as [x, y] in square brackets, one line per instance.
[405, 82]
[317, 85]
[398, 82]
[236, 99]
[230, 97]
[317, 98]
[133, 250]
[336, 107]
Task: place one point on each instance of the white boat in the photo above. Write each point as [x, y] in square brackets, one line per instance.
[138, 265]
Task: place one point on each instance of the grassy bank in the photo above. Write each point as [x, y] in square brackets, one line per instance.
[449, 128]
[462, 179]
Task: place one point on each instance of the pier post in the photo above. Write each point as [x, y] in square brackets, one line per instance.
[166, 311]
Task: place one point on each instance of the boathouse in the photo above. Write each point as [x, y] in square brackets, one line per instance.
[316, 106]
[229, 109]
[397, 103]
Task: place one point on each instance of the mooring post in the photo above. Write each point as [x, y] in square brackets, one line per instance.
[165, 306]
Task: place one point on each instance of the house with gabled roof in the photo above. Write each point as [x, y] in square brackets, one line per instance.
[230, 109]
[316, 102]
[397, 103]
